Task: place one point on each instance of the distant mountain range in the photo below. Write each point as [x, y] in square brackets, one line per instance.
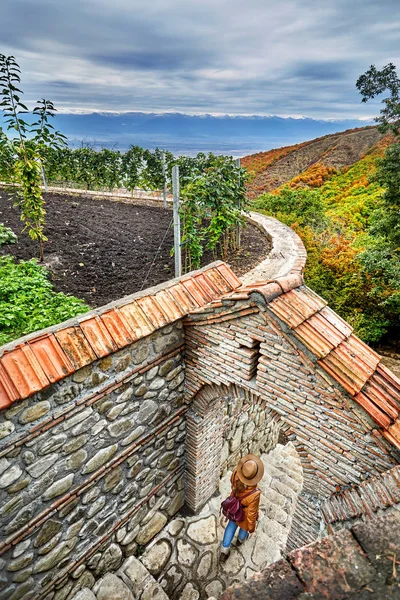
[188, 134]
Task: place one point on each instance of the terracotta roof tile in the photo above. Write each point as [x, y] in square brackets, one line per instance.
[387, 383]
[169, 306]
[337, 322]
[271, 291]
[319, 335]
[183, 298]
[393, 434]
[290, 281]
[351, 364]
[135, 318]
[98, 336]
[296, 306]
[208, 286]
[25, 371]
[51, 357]
[362, 351]
[378, 415]
[117, 327]
[377, 394]
[217, 281]
[229, 276]
[196, 291]
[75, 346]
[8, 393]
[153, 311]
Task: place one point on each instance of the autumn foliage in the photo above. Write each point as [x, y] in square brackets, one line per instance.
[313, 177]
[334, 214]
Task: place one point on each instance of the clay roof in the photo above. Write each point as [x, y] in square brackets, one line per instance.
[32, 363]
[348, 360]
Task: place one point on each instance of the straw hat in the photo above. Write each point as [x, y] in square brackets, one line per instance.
[250, 469]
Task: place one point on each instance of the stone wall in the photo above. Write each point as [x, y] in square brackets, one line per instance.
[250, 428]
[91, 468]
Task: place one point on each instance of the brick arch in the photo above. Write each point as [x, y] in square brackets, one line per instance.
[205, 423]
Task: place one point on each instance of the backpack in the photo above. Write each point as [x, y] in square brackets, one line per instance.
[232, 509]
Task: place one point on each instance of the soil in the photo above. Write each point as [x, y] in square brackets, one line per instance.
[100, 250]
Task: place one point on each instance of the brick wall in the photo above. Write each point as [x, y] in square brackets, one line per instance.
[334, 438]
[92, 467]
[223, 424]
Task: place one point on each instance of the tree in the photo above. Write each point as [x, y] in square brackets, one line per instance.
[29, 151]
[381, 261]
[373, 83]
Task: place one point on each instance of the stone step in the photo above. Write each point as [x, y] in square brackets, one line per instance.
[274, 497]
[276, 531]
[286, 464]
[274, 512]
[288, 491]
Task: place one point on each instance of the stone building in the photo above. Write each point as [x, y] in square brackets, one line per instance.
[112, 422]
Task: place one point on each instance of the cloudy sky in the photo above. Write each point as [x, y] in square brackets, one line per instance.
[284, 57]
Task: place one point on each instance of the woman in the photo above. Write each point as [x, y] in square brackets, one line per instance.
[244, 481]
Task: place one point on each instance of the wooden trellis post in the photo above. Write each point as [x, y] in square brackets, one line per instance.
[177, 222]
[165, 179]
[238, 226]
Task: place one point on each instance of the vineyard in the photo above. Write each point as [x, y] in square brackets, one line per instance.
[101, 252]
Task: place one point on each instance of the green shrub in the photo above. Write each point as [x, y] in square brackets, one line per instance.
[302, 206]
[28, 301]
[7, 236]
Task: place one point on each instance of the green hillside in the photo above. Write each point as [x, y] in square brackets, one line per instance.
[349, 262]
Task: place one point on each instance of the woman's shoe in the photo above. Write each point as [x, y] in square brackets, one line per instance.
[240, 542]
[223, 556]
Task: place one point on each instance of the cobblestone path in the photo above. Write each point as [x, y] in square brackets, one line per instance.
[183, 558]
[182, 561]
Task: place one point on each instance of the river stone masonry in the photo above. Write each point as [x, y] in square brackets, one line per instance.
[99, 482]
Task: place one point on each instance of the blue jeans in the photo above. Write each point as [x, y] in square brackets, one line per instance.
[230, 531]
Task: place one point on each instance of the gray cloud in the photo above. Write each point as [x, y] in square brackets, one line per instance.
[293, 57]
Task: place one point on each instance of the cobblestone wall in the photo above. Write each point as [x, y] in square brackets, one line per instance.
[91, 468]
[250, 428]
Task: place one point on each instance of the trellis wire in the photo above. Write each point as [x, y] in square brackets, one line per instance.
[156, 254]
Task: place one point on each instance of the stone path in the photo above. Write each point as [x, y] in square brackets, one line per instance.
[187, 550]
[181, 563]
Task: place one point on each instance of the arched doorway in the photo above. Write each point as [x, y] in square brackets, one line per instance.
[224, 423]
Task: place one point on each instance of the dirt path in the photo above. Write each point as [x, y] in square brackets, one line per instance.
[101, 250]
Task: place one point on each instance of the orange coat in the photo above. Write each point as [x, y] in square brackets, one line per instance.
[250, 505]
